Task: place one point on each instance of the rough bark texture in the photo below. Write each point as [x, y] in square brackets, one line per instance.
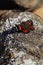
[26, 47]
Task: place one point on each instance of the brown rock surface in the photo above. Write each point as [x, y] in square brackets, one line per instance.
[39, 11]
[30, 4]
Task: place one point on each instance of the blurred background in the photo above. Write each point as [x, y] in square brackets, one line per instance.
[35, 6]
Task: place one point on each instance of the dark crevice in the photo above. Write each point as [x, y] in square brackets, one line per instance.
[7, 5]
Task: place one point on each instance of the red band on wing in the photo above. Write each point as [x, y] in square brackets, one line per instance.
[19, 27]
[25, 31]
